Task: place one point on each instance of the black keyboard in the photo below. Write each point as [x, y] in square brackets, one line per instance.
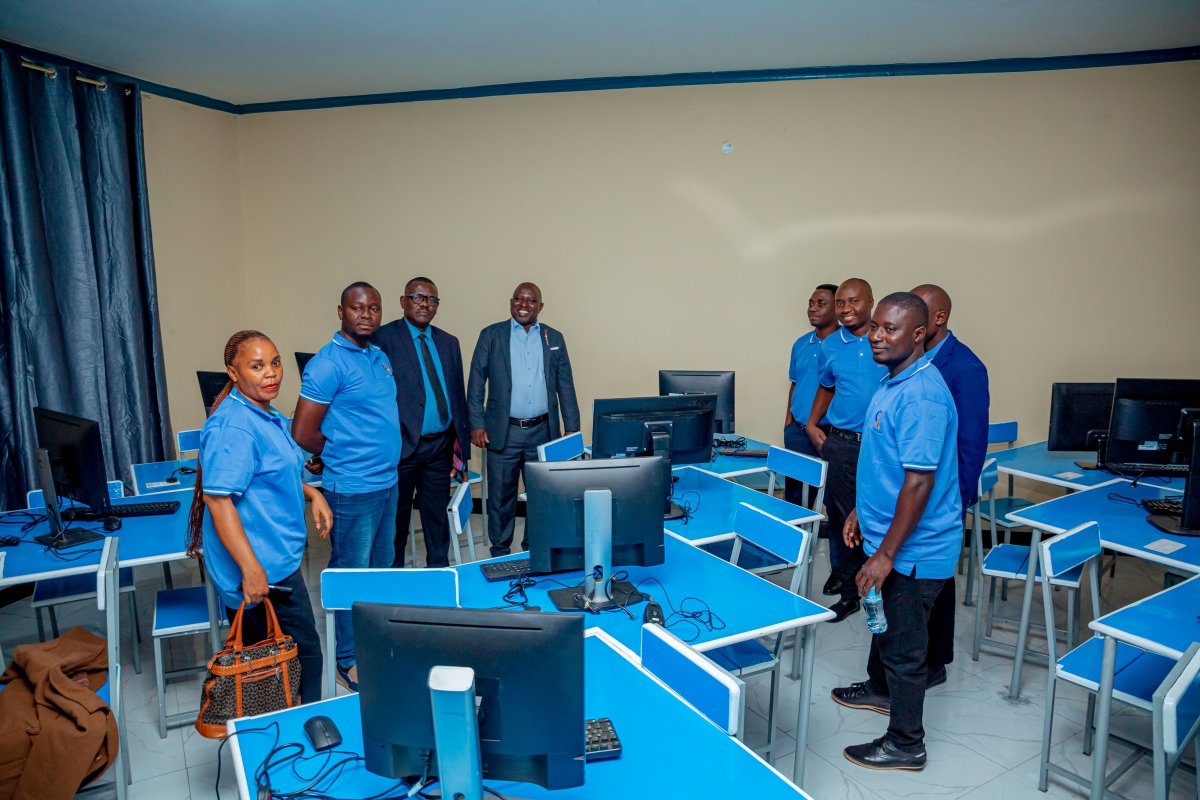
[505, 570]
[123, 510]
[1152, 470]
[1170, 508]
[602, 741]
[728, 451]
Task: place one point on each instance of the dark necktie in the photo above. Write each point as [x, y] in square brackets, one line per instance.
[434, 383]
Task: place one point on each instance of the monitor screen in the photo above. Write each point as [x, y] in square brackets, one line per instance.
[528, 681]
[700, 382]
[1145, 427]
[211, 385]
[1079, 414]
[302, 360]
[76, 456]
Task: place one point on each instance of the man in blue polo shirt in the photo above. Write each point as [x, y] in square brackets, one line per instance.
[909, 520]
[347, 417]
[849, 377]
[804, 374]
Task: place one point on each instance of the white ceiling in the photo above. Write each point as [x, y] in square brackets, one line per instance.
[247, 51]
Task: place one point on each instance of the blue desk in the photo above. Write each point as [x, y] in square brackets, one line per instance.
[669, 749]
[152, 478]
[712, 520]
[1035, 462]
[734, 466]
[1164, 623]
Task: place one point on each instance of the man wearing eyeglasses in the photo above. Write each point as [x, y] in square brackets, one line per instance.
[433, 417]
[524, 368]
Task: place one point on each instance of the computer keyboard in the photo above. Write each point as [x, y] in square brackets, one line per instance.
[728, 451]
[1171, 508]
[123, 510]
[602, 741]
[505, 570]
[1152, 470]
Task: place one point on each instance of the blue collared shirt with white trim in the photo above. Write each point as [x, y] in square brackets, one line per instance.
[804, 370]
[431, 423]
[362, 424]
[911, 424]
[247, 454]
[848, 367]
[528, 372]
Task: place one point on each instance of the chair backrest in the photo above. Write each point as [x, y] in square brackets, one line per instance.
[1068, 550]
[786, 542]
[460, 508]
[988, 477]
[797, 466]
[1178, 700]
[562, 449]
[1002, 432]
[188, 440]
[35, 498]
[342, 588]
[706, 687]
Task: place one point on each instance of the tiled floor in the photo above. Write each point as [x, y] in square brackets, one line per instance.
[981, 745]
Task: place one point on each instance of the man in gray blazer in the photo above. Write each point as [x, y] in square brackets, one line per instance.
[527, 373]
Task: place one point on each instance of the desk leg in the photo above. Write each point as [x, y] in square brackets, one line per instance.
[810, 649]
[973, 557]
[1104, 706]
[1014, 691]
[214, 620]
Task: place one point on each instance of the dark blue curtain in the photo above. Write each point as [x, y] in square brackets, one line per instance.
[79, 329]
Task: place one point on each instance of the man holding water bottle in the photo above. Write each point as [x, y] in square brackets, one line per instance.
[908, 517]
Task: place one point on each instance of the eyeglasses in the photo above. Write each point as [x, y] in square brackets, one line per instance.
[424, 299]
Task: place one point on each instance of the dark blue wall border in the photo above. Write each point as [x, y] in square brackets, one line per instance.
[642, 81]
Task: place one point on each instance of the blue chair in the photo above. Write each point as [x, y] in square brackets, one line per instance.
[1176, 719]
[1139, 674]
[179, 612]
[565, 448]
[54, 592]
[702, 684]
[810, 472]
[998, 508]
[107, 600]
[472, 479]
[188, 441]
[459, 512]
[342, 588]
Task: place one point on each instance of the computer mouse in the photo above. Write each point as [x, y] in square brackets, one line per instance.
[653, 613]
[322, 733]
[532, 608]
[112, 523]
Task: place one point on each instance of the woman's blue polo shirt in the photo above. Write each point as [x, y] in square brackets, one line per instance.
[247, 454]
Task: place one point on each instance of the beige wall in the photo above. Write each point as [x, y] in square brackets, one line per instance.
[1059, 209]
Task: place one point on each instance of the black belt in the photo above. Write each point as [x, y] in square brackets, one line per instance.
[853, 436]
[425, 437]
[528, 423]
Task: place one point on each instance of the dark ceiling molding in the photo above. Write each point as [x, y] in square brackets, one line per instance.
[642, 81]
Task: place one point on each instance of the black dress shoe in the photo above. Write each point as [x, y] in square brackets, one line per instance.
[833, 586]
[882, 754]
[861, 695]
[844, 608]
[935, 677]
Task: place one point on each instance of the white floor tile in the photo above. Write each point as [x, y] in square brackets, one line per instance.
[172, 786]
[823, 781]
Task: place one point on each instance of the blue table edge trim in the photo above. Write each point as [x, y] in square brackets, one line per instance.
[1099, 626]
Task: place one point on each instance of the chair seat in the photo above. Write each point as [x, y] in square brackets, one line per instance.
[53, 591]
[1136, 676]
[181, 611]
[741, 656]
[1012, 560]
[1004, 507]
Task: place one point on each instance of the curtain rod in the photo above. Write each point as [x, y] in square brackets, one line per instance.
[51, 73]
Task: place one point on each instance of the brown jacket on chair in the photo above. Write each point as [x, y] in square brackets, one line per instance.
[56, 734]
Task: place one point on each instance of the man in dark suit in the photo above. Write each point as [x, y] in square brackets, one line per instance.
[433, 415]
[527, 373]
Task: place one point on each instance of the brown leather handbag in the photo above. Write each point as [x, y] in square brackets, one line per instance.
[246, 681]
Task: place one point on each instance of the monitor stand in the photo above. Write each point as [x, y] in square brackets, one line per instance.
[59, 537]
[1169, 523]
[1101, 438]
[597, 558]
[456, 732]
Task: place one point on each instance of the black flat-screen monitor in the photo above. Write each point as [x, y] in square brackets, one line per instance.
[211, 385]
[634, 426]
[1147, 421]
[1079, 414]
[676, 381]
[76, 456]
[528, 678]
[302, 360]
[554, 511]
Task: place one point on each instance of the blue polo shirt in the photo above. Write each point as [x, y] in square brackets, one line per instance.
[911, 424]
[246, 454]
[804, 370]
[932, 353]
[431, 423]
[528, 371]
[847, 367]
[362, 424]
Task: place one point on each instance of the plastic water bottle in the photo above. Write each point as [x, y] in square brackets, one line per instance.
[873, 605]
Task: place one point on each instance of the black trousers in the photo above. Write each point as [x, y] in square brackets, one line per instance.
[295, 616]
[427, 470]
[896, 665]
[941, 627]
[795, 438]
[840, 496]
[504, 469]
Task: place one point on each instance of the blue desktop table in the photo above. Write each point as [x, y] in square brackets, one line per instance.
[668, 749]
[718, 499]
[736, 466]
[1035, 462]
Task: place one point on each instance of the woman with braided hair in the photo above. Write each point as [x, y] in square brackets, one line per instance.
[248, 507]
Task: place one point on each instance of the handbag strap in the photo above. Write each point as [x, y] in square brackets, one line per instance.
[274, 629]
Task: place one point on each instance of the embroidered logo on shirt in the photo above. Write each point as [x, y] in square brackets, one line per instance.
[878, 423]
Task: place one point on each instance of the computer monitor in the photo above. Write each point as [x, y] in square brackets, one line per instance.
[528, 677]
[676, 381]
[1079, 415]
[211, 385]
[76, 456]
[1146, 425]
[554, 512]
[302, 360]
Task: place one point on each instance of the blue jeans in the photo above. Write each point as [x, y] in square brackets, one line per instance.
[363, 535]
